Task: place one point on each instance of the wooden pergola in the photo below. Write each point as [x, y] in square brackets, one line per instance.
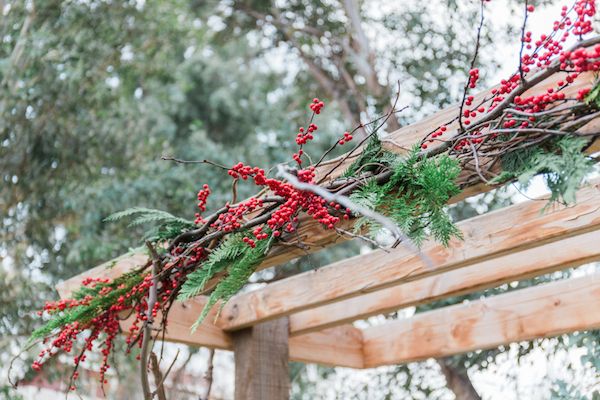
[308, 317]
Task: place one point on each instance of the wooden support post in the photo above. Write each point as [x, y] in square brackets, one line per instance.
[261, 361]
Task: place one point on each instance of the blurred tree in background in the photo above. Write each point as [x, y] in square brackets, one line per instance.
[94, 92]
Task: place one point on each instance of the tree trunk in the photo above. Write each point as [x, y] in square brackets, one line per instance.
[458, 381]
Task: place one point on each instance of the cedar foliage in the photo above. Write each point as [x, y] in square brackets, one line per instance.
[415, 197]
[167, 226]
[561, 162]
[239, 269]
[231, 249]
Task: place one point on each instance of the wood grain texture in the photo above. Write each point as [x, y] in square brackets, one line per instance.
[318, 238]
[550, 257]
[488, 236]
[339, 346]
[261, 362]
[542, 311]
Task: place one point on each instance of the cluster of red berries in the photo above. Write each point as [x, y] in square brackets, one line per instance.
[298, 156]
[581, 60]
[473, 77]
[303, 136]
[202, 199]
[107, 323]
[316, 105]
[585, 10]
[232, 219]
[542, 53]
[347, 138]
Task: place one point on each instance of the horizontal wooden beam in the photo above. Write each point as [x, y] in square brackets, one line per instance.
[550, 257]
[515, 228]
[313, 235]
[541, 311]
[340, 346]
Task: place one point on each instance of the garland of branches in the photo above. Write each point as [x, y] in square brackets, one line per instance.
[509, 134]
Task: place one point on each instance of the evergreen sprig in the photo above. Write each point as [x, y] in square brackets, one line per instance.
[370, 154]
[561, 162]
[166, 225]
[415, 197]
[238, 273]
[593, 97]
[231, 249]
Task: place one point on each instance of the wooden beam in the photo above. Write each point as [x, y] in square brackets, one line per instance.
[541, 311]
[340, 346]
[337, 347]
[317, 238]
[555, 256]
[515, 228]
[261, 362]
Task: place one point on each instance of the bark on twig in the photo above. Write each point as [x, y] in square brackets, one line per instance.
[208, 375]
[152, 295]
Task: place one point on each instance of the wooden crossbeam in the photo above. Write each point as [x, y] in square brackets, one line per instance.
[340, 346]
[515, 228]
[542, 311]
[317, 238]
[550, 257]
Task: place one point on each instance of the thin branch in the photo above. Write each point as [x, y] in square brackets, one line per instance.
[361, 237]
[180, 161]
[152, 296]
[208, 375]
[158, 377]
[521, 74]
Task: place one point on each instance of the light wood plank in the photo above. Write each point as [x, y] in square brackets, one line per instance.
[261, 362]
[555, 256]
[542, 311]
[312, 233]
[339, 346]
[336, 347]
[488, 236]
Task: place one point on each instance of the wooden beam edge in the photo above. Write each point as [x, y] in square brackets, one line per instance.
[547, 258]
[542, 311]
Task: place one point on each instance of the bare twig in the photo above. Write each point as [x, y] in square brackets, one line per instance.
[158, 377]
[152, 296]
[208, 375]
[361, 237]
[179, 161]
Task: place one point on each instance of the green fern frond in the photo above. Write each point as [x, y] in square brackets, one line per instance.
[230, 250]
[167, 226]
[561, 162]
[142, 215]
[238, 274]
